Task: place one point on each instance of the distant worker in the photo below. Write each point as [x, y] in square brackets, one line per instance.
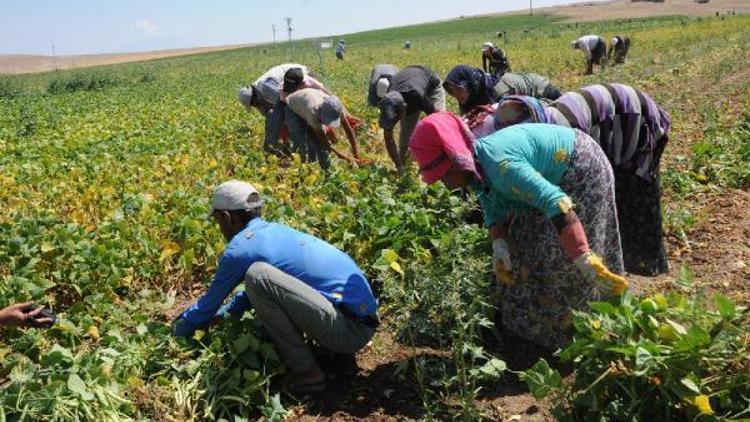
[26, 314]
[380, 81]
[414, 89]
[407, 45]
[618, 47]
[633, 131]
[340, 49]
[299, 286]
[263, 95]
[594, 49]
[472, 87]
[547, 194]
[314, 117]
[494, 59]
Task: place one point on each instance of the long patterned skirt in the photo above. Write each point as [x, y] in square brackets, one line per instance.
[547, 286]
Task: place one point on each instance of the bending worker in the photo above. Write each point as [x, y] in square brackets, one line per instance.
[299, 285]
[380, 81]
[472, 87]
[594, 49]
[414, 89]
[263, 95]
[314, 117]
[539, 186]
[494, 60]
[633, 131]
[618, 47]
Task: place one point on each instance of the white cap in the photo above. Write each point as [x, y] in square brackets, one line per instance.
[487, 45]
[235, 195]
[246, 96]
[381, 88]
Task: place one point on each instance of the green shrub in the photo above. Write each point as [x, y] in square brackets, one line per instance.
[657, 358]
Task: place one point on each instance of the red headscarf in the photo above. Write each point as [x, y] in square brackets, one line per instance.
[441, 141]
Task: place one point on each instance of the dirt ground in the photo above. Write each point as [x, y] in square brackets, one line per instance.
[23, 63]
[624, 9]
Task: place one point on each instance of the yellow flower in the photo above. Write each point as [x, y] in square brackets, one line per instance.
[703, 405]
[561, 155]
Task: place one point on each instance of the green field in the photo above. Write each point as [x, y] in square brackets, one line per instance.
[106, 173]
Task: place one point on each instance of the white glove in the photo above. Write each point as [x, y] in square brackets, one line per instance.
[500, 254]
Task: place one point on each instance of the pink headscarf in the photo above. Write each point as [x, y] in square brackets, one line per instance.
[441, 141]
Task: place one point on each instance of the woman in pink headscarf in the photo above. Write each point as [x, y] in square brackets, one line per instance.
[529, 178]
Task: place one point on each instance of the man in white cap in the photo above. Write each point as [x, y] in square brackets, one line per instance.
[594, 49]
[494, 60]
[263, 95]
[413, 90]
[299, 285]
[380, 81]
[618, 49]
[314, 116]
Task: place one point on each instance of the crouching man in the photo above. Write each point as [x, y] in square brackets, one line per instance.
[299, 286]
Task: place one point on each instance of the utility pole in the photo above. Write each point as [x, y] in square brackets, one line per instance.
[54, 55]
[531, 9]
[273, 28]
[289, 29]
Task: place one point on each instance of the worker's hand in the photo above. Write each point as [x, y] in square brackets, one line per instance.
[26, 315]
[181, 327]
[596, 272]
[501, 260]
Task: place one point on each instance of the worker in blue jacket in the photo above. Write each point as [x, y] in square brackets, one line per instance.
[297, 284]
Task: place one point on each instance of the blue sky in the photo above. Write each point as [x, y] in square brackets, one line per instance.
[88, 26]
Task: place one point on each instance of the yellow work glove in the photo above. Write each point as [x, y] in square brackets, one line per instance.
[596, 272]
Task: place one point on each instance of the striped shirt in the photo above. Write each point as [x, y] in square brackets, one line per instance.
[626, 122]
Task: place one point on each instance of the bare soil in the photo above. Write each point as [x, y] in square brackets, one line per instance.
[626, 9]
[23, 63]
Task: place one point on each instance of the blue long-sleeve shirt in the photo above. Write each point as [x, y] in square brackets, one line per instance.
[314, 261]
[523, 165]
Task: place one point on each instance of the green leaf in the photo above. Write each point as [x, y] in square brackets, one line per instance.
[603, 308]
[244, 342]
[541, 379]
[642, 358]
[686, 277]
[57, 355]
[493, 368]
[725, 306]
[77, 386]
[273, 411]
[690, 385]
[695, 338]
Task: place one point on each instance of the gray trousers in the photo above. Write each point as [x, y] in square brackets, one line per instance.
[409, 122]
[289, 308]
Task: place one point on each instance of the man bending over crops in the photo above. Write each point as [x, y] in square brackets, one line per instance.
[593, 47]
[314, 117]
[263, 95]
[299, 285]
[380, 81]
[494, 59]
[619, 47]
[412, 90]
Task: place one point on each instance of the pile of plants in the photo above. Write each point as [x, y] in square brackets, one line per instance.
[663, 357]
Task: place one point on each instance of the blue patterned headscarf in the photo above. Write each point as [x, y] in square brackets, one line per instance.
[515, 109]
